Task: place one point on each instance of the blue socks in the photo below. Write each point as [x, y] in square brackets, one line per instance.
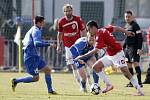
[95, 77]
[24, 79]
[48, 83]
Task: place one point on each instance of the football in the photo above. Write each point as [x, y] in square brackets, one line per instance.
[95, 89]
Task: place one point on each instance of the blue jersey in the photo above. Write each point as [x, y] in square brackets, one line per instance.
[32, 40]
[80, 47]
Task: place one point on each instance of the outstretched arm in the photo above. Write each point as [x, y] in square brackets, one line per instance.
[94, 51]
[120, 29]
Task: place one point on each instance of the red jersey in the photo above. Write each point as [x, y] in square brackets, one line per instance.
[148, 37]
[104, 38]
[70, 30]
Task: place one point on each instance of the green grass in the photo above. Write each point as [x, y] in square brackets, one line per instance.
[67, 88]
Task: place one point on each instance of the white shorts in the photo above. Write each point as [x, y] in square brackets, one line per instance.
[117, 60]
[69, 58]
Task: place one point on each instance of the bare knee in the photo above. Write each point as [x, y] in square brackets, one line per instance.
[36, 78]
[46, 70]
[97, 67]
[126, 72]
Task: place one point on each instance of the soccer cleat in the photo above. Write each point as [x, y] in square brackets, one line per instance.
[141, 85]
[140, 93]
[146, 82]
[107, 88]
[84, 90]
[129, 85]
[13, 84]
[52, 93]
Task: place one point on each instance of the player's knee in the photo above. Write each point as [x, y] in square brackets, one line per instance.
[126, 73]
[36, 78]
[48, 71]
[97, 68]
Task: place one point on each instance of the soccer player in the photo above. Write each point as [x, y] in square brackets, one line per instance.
[115, 55]
[33, 62]
[133, 46]
[82, 46]
[69, 30]
[147, 78]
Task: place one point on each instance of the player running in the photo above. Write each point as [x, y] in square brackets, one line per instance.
[115, 55]
[33, 62]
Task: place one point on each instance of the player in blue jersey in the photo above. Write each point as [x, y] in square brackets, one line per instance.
[82, 46]
[33, 62]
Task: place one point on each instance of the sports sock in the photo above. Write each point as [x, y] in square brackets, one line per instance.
[83, 84]
[27, 79]
[104, 78]
[138, 71]
[135, 83]
[76, 75]
[48, 82]
[95, 77]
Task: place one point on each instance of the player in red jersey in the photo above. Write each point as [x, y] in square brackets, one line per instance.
[69, 30]
[115, 55]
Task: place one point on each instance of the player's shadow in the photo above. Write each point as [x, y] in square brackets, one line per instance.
[83, 95]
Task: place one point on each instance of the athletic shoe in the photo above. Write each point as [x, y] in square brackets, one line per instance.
[52, 93]
[139, 94]
[84, 90]
[146, 82]
[107, 88]
[129, 85]
[13, 84]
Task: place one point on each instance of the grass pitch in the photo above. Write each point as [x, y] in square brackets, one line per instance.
[67, 89]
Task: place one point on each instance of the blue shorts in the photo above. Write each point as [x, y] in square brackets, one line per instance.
[33, 65]
[76, 54]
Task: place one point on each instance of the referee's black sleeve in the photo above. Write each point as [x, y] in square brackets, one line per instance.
[138, 36]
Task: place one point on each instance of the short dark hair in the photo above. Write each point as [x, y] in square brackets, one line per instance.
[39, 19]
[90, 24]
[129, 12]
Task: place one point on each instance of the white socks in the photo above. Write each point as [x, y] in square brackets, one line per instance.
[135, 84]
[103, 77]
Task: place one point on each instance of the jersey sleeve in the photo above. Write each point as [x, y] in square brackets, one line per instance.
[36, 35]
[138, 36]
[60, 28]
[81, 24]
[99, 41]
[109, 28]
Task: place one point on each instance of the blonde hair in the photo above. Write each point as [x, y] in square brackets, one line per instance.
[67, 6]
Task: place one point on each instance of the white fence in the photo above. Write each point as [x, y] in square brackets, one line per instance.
[52, 58]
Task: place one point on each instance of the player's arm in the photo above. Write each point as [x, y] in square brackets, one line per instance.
[84, 31]
[38, 41]
[94, 51]
[59, 39]
[120, 29]
[139, 38]
[82, 28]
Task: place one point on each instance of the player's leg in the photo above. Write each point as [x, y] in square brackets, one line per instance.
[70, 62]
[32, 68]
[48, 79]
[83, 76]
[129, 58]
[98, 68]
[90, 63]
[119, 61]
[128, 75]
[137, 67]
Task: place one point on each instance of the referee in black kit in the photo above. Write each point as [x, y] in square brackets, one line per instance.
[133, 46]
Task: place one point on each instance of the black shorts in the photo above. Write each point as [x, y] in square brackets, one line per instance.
[131, 54]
